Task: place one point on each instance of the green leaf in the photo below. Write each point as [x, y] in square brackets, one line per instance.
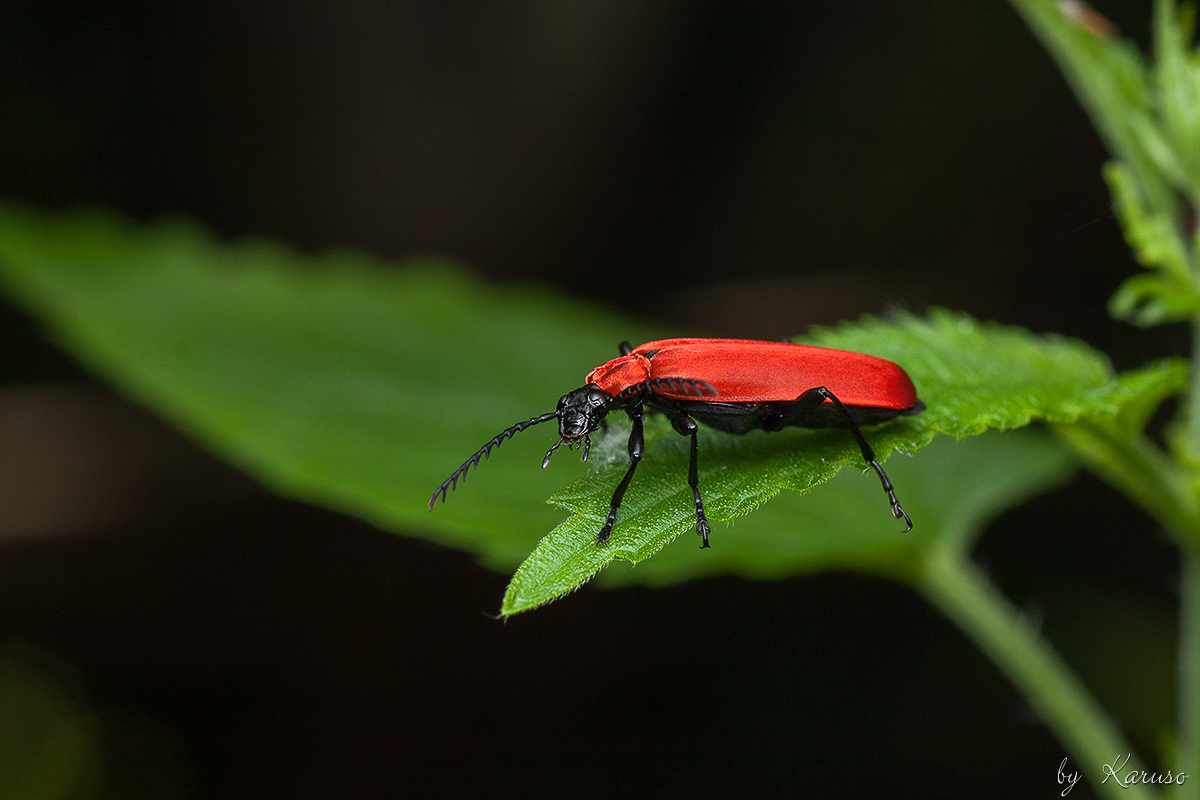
[336, 378]
[972, 376]
[1153, 300]
[1169, 293]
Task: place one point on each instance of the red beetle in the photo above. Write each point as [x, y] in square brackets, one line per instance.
[733, 385]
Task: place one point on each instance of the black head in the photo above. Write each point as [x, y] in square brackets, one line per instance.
[579, 413]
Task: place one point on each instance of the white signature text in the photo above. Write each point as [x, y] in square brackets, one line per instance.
[1134, 776]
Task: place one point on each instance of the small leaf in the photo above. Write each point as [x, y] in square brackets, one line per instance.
[1154, 300]
[1155, 241]
[1169, 293]
[1155, 145]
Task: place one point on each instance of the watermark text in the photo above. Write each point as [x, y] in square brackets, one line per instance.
[1117, 772]
[1135, 776]
[1069, 778]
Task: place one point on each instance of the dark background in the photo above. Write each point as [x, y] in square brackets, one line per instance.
[732, 168]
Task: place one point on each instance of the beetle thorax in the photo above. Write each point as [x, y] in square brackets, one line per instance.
[619, 374]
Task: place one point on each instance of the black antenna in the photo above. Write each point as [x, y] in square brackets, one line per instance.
[682, 385]
[450, 483]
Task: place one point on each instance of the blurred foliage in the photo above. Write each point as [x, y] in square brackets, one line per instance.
[49, 744]
[1149, 116]
[55, 744]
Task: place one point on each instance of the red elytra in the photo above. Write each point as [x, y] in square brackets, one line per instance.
[748, 371]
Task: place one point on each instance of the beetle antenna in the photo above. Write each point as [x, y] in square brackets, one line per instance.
[550, 452]
[587, 445]
[682, 385]
[450, 483]
[685, 385]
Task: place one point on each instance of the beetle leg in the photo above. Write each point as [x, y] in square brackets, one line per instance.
[550, 452]
[686, 426]
[637, 444]
[813, 398]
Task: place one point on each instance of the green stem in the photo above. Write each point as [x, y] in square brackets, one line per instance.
[1187, 734]
[1192, 411]
[1187, 750]
[964, 594]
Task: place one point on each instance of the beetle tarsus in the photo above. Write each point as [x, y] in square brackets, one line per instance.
[550, 452]
[606, 531]
[897, 511]
[701, 520]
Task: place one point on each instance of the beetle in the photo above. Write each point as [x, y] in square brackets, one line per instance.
[733, 385]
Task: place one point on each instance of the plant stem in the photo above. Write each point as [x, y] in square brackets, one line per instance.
[964, 594]
[1187, 749]
[1187, 734]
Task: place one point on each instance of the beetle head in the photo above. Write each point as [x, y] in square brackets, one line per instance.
[579, 413]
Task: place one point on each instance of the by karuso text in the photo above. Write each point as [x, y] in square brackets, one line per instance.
[1115, 771]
